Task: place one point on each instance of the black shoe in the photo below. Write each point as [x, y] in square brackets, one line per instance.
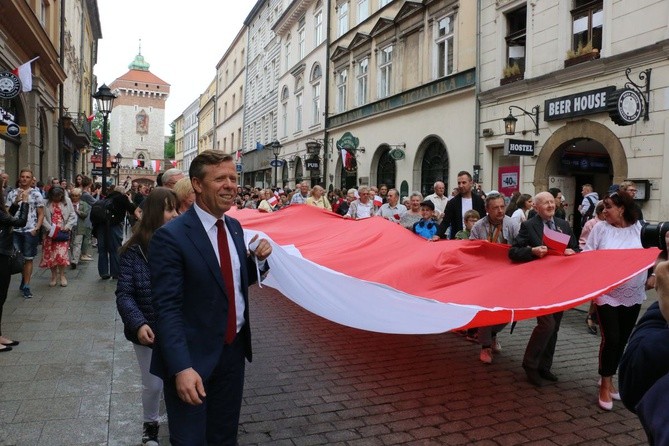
[73, 266]
[534, 377]
[547, 374]
[150, 434]
[6, 349]
[105, 276]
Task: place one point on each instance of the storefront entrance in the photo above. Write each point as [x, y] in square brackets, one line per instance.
[581, 152]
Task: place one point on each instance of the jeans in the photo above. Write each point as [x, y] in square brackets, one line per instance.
[109, 241]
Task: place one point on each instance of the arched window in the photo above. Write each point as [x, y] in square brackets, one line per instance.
[316, 72]
[284, 94]
[434, 167]
[387, 169]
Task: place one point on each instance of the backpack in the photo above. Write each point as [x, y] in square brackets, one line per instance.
[102, 212]
[589, 213]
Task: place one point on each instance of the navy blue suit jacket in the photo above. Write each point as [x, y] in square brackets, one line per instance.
[189, 296]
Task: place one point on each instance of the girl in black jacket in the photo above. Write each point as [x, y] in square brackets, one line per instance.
[7, 224]
[133, 299]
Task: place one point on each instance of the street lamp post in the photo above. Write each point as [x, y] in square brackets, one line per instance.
[105, 102]
[118, 157]
[276, 149]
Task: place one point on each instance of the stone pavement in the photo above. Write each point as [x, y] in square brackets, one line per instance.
[73, 380]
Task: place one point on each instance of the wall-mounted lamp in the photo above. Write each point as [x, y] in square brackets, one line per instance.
[477, 173]
[291, 162]
[510, 121]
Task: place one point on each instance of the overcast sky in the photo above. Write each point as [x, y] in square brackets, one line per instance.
[182, 41]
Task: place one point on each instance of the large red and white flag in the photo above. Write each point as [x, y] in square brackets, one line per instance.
[375, 275]
[155, 165]
[25, 73]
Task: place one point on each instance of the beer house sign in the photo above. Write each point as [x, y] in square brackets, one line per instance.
[624, 106]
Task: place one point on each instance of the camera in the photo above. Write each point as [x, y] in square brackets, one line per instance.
[654, 235]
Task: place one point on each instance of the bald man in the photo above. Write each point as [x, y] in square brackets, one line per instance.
[529, 246]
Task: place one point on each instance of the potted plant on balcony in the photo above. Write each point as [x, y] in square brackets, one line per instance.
[511, 73]
[582, 53]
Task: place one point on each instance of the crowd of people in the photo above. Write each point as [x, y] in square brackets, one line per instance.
[62, 218]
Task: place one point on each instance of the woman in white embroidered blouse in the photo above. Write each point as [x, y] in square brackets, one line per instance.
[618, 309]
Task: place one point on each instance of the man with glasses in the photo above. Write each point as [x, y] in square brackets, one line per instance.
[629, 187]
[363, 207]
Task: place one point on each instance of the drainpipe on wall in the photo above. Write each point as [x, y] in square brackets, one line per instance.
[326, 133]
[477, 89]
[61, 99]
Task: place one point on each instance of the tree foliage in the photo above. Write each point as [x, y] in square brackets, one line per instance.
[169, 144]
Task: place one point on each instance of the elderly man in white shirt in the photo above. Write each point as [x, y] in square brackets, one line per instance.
[439, 199]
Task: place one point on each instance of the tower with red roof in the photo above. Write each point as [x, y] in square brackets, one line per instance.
[137, 122]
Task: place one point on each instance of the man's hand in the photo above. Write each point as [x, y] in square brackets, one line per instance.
[189, 387]
[263, 248]
[539, 251]
[145, 335]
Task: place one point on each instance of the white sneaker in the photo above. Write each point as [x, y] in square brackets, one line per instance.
[496, 346]
[486, 355]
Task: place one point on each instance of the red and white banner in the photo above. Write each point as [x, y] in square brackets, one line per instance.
[155, 165]
[375, 275]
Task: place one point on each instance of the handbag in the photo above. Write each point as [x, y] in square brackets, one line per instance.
[61, 237]
[16, 261]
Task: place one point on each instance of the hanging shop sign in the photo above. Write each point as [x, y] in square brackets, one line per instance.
[520, 147]
[348, 142]
[579, 104]
[312, 164]
[625, 106]
[10, 85]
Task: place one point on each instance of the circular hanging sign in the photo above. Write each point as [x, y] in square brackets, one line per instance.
[13, 130]
[10, 85]
[625, 106]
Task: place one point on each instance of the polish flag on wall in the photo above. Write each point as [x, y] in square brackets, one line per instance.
[444, 292]
[25, 73]
[346, 158]
[155, 165]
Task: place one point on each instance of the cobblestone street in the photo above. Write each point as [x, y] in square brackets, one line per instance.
[73, 380]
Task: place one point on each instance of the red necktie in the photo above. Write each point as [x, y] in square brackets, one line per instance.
[226, 272]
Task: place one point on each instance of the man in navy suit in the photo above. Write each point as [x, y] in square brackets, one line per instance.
[200, 273]
[529, 245]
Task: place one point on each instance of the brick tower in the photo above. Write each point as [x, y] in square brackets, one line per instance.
[137, 121]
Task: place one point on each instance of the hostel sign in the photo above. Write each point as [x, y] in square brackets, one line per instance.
[579, 104]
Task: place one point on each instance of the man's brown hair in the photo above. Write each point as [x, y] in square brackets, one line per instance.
[207, 158]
